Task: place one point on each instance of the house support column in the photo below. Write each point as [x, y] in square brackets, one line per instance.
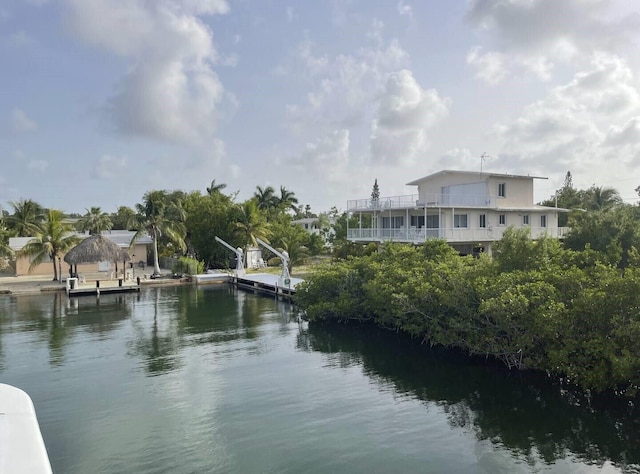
[406, 223]
[424, 226]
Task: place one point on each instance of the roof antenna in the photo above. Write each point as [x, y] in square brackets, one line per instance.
[483, 157]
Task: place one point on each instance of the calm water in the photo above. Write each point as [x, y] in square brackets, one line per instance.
[199, 380]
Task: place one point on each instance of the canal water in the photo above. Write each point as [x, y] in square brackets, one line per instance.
[207, 379]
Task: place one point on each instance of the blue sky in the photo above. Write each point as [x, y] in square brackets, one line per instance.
[102, 100]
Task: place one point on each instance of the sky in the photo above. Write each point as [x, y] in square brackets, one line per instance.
[104, 100]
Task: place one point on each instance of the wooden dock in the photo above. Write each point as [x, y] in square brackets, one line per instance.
[267, 283]
[75, 287]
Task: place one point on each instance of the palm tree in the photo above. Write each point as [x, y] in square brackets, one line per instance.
[52, 238]
[294, 244]
[27, 214]
[5, 250]
[598, 198]
[215, 188]
[287, 200]
[124, 218]
[161, 215]
[251, 225]
[95, 221]
[265, 199]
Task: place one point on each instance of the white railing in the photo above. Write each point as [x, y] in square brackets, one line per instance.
[393, 202]
[415, 235]
[416, 200]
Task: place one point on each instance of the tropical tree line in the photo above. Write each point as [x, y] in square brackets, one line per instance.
[180, 224]
[535, 305]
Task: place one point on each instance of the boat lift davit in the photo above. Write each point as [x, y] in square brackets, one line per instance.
[285, 277]
[239, 271]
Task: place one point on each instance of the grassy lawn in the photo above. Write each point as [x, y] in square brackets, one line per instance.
[299, 270]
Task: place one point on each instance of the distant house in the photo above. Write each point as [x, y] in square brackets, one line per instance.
[310, 224]
[138, 253]
[470, 210]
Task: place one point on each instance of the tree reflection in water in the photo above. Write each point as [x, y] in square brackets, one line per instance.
[168, 320]
[157, 341]
[522, 412]
[55, 318]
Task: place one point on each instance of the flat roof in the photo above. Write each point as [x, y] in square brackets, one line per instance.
[472, 173]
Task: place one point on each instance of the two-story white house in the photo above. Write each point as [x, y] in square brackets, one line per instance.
[470, 210]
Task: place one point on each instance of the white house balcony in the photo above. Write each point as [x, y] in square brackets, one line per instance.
[451, 235]
[419, 201]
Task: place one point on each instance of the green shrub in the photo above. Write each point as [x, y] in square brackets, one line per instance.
[189, 266]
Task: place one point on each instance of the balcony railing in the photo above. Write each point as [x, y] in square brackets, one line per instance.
[414, 235]
[415, 200]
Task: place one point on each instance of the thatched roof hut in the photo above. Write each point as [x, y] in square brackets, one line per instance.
[96, 248]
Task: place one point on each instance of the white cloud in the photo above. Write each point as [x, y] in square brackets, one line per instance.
[405, 113]
[344, 87]
[585, 125]
[21, 122]
[37, 166]
[109, 166]
[489, 66]
[171, 91]
[290, 14]
[627, 135]
[538, 34]
[462, 159]
[404, 9]
[327, 157]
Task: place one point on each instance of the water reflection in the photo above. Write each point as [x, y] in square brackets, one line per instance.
[528, 416]
[56, 319]
[156, 341]
[168, 320]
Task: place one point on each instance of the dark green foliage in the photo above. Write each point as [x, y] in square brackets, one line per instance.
[124, 218]
[335, 292]
[189, 266]
[209, 216]
[534, 306]
[613, 233]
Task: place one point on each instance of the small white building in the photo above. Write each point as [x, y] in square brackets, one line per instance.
[310, 224]
[470, 210]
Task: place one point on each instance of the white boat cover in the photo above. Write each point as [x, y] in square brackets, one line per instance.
[22, 448]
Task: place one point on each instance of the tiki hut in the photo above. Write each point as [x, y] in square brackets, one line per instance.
[96, 248]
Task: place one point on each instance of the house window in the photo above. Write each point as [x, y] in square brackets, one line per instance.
[502, 190]
[393, 222]
[502, 219]
[525, 219]
[460, 220]
[417, 221]
[483, 221]
[543, 221]
[433, 222]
